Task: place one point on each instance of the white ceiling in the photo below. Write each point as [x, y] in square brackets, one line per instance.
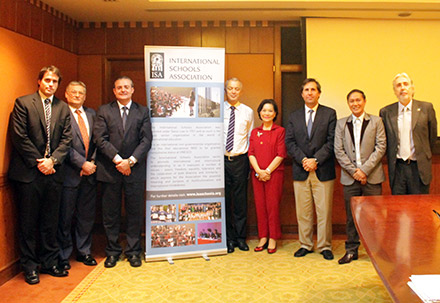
[218, 10]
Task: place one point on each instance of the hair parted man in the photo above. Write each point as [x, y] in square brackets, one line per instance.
[41, 135]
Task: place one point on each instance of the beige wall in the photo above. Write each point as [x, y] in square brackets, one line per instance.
[344, 54]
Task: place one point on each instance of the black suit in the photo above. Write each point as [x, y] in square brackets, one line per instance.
[79, 193]
[38, 194]
[313, 188]
[111, 139]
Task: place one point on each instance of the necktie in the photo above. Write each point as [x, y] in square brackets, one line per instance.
[48, 114]
[310, 122]
[405, 141]
[124, 116]
[83, 130]
[231, 128]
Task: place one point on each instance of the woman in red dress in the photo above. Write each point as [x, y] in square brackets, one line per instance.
[267, 151]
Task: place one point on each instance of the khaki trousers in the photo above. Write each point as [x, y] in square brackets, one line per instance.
[309, 195]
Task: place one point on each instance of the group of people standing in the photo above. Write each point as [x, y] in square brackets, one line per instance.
[59, 152]
[405, 130]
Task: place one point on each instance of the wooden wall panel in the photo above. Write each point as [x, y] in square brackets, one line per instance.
[237, 40]
[24, 10]
[48, 28]
[58, 37]
[116, 41]
[8, 13]
[36, 23]
[213, 37]
[70, 34]
[262, 40]
[189, 36]
[165, 36]
[90, 71]
[139, 37]
[91, 41]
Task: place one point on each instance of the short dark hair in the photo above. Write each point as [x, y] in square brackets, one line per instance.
[122, 78]
[308, 80]
[356, 91]
[268, 101]
[52, 69]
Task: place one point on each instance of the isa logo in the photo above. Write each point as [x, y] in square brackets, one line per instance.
[156, 65]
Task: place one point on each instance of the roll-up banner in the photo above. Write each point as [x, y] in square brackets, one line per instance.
[185, 167]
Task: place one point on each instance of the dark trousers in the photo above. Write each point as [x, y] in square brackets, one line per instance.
[134, 214]
[38, 206]
[356, 189]
[78, 202]
[236, 181]
[407, 179]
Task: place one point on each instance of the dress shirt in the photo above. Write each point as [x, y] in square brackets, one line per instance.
[118, 158]
[357, 127]
[83, 115]
[244, 123]
[313, 114]
[408, 110]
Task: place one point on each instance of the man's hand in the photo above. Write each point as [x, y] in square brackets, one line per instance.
[360, 176]
[45, 166]
[88, 169]
[309, 164]
[123, 167]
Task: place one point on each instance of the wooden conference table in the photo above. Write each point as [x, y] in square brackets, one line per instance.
[402, 237]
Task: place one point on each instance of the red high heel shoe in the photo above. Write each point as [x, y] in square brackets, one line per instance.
[272, 250]
[261, 248]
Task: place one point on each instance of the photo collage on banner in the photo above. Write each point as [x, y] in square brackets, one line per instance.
[185, 182]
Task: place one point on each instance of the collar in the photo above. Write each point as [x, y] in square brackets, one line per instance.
[236, 104]
[315, 108]
[73, 109]
[121, 106]
[274, 126]
[409, 106]
[44, 97]
[361, 117]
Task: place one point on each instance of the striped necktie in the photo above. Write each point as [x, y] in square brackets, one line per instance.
[231, 129]
[48, 114]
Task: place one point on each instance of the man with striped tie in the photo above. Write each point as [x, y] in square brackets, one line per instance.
[41, 134]
[238, 124]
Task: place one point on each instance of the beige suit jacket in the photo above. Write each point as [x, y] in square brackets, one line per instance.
[373, 146]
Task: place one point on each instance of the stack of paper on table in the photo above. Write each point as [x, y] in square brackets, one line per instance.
[427, 287]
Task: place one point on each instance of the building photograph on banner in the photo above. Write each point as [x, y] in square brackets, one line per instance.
[185, 168]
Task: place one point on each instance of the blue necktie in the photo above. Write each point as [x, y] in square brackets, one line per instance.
[231, 128]
[310, 123]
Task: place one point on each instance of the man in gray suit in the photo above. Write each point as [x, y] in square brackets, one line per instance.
[79, 187]
[411, 129]
[360, 144]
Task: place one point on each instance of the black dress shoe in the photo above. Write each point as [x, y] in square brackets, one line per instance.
[347, 258]
[327, 253]
[242, 245]
[55, 271]
[86, 259]
[32, 277]
[111, 261]
[231, 247]
[135, 261]
[302, 252]
[64, 264]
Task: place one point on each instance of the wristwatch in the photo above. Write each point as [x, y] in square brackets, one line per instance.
[130, 162]
[54, 160]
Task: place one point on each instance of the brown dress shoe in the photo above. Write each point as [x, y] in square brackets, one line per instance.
[347, 258]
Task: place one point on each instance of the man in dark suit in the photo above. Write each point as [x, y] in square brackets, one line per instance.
[123, 137]
[41, 134]
[411, 129]
[360, 144]
[309, 141]
[79, 188]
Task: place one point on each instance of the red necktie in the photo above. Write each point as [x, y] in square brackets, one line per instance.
[83, 130]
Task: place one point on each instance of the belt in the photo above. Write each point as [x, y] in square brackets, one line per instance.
[233, 158]
[407, 161]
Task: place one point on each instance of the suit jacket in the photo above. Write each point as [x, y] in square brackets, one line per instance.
[111, 139]
[319, 145]
[424, 132]
[373, 145]
[77, 153]
[27, 126]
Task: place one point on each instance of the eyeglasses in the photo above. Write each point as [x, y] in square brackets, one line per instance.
[75, 92]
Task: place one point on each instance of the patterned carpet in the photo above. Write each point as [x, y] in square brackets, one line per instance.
[238, 277]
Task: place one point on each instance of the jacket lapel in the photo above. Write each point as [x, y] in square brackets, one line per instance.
[364, 126]
[415, 113]
[349, 124]
[40, 110]
[116, 113]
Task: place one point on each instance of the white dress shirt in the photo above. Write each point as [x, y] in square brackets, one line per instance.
[244, 123]
[406, 110]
